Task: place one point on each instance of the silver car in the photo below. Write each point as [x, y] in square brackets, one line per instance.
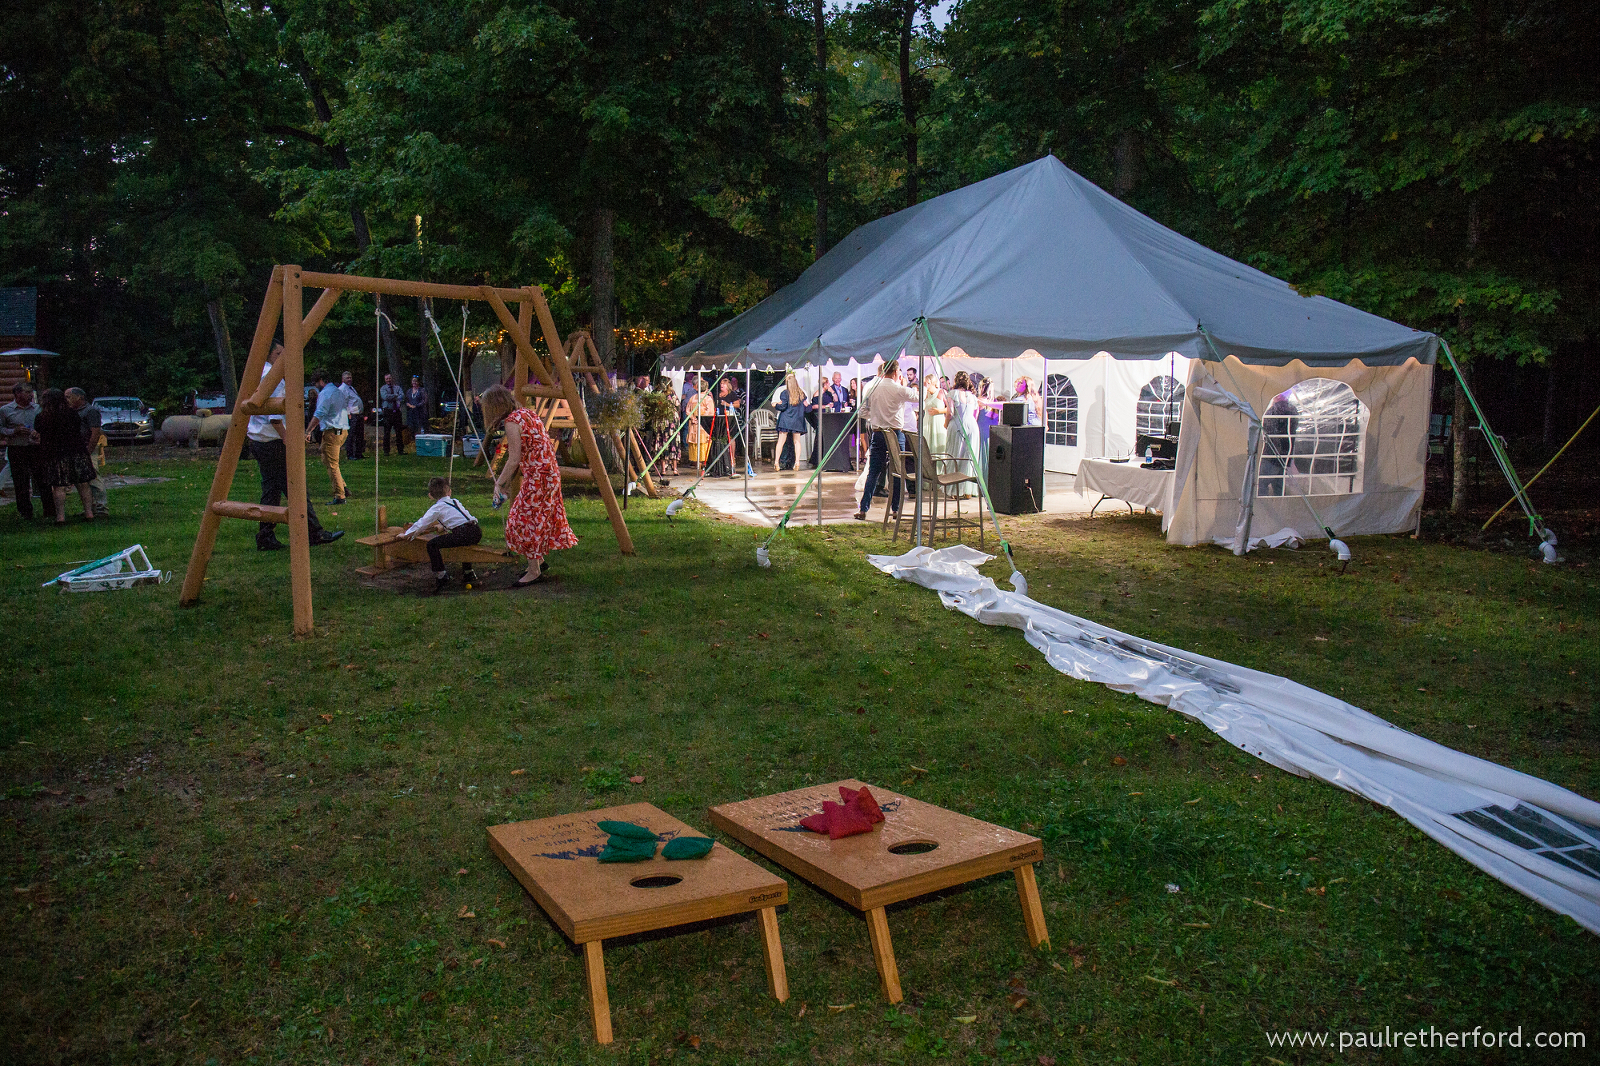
[126, 419]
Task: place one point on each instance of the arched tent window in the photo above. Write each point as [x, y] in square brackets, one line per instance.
[1060, 411]
[1312, 441]
[1160, 402]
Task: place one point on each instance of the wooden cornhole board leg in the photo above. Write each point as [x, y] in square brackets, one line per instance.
[772, 955]
[883, 953]
[1032, 909]
[594, 974]
[917, 850]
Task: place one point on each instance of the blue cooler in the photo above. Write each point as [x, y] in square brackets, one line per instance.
[435, 445]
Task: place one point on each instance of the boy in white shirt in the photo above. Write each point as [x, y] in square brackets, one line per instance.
[460, 530]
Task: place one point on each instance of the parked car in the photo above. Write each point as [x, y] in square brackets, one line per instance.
[215, 402]
[126, 419]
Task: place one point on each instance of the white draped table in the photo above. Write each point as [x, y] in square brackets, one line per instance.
[1133, 484]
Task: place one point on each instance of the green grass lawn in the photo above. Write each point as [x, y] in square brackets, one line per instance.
[226, 844]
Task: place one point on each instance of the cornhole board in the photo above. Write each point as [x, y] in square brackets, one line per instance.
[870, 871]
[557, 861]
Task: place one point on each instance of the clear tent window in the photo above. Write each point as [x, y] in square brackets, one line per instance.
[1311, 443]
[1160, 402]
[1060, 411]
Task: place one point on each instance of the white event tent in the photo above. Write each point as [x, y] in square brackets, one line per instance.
[1282, 399]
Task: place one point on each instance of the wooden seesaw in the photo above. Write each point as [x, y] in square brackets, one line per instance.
[534, 378]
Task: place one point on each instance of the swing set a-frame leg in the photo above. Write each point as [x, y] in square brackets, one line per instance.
[283, 302]
[233, 443]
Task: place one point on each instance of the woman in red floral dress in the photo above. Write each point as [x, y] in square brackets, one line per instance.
[536, 525]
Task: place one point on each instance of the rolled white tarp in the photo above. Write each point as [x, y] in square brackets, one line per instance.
[1539, 838]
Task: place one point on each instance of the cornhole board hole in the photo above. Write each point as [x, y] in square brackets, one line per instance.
[892, 863]
[557, 861]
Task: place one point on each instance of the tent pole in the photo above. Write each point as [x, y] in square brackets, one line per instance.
[917, 455]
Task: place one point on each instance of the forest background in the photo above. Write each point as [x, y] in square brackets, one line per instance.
[661, 167]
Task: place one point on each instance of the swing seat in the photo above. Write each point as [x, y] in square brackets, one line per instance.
[390, 550]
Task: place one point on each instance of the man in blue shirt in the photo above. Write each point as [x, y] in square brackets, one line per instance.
[333, 418]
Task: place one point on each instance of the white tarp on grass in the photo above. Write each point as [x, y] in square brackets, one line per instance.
[1539, 838]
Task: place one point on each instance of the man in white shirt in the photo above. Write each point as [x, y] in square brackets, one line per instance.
[22, 449]
[332, 416]
[266, 446]
[356, 445]
[885, 406]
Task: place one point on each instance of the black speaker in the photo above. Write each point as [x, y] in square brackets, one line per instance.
[1016, 469]
[1014, 414]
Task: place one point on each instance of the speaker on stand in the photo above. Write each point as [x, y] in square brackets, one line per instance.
[1016, 469]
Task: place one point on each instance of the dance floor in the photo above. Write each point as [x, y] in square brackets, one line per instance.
[772, 493]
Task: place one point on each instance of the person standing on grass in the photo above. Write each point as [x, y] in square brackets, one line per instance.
[886, 402]
[356, 443]
[391, 414]
[332, 417]
[265, 433]
[63, 457]
[22, 450]
[416, 409]
[460, 530]
[89, 420]
[536, 524]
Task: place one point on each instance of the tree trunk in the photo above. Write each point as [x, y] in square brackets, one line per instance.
[358, 218]
[1550, 405]
[1460, 489]
[430, 375]
[219, 331]
[819, 111]
[1125, 157]
[908, 101]
[603, 287]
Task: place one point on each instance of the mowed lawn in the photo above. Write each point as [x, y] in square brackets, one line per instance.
[224, 844]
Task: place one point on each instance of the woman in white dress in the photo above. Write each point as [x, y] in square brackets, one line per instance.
[935, 409]
[961, 422]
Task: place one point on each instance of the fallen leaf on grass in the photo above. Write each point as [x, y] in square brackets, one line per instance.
[967, 1019]
[233, 897]
[1017, 1000]
[837, 1007]
[464, 913]
[1047, 1060]
[1319, 890]
[803, 1008]
[461, 871]
[1024, 667]
[477, 962]
[1258, 903]
[1119, 761]
[763, 636]
[497, 943]
[326, 717]
[636, 779]
[518, 773]
[1198, 925]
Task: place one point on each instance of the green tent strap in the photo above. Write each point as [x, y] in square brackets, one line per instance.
[761, 552]
[1536, 526]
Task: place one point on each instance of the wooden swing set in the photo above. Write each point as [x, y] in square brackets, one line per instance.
[546, 384]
